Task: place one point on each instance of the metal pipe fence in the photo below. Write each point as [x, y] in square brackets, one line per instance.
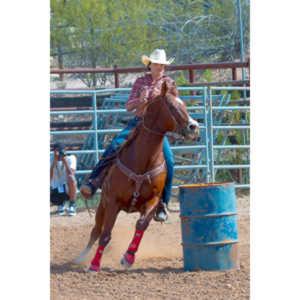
[203, 161]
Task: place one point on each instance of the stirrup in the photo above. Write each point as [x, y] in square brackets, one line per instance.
[161, 214]
[160, 217]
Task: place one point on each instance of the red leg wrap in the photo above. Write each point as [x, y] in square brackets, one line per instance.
[134, 245]
[95, 263]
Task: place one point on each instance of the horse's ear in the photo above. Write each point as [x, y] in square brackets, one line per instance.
[164, 89]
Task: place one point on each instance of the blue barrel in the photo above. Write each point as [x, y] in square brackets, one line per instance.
[209, 226]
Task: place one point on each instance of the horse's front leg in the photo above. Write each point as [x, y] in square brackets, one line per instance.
[110, 216]
[141, 225]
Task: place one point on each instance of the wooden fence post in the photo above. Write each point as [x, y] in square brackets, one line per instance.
[60, 64]
[117, 80]
[192, 79]
[240, 176]
[234, 75]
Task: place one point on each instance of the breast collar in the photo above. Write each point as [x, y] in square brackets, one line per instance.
[139, 178]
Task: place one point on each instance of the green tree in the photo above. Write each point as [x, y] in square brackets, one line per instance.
[101, 33]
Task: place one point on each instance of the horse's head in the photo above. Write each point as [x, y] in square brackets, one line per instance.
[168, 113]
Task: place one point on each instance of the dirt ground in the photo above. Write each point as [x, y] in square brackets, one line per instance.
[158, 270]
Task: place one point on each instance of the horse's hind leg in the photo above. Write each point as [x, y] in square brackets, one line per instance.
[141, 225]
[95, 233]
[110, 217]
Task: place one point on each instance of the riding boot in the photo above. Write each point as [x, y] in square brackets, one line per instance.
[89, 188]
[161, 214]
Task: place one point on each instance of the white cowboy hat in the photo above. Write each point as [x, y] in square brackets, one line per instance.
[158, 56]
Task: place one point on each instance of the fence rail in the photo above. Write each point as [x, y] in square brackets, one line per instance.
[189, 67]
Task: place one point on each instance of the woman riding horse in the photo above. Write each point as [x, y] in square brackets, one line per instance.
[135, 184]
[144, 89]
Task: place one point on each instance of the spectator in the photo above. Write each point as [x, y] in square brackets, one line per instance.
[62, 180]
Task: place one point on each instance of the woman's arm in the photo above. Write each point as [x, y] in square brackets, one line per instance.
[138, 95]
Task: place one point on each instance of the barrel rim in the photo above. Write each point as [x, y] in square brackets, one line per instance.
[206, 185]
[210, 215]
[210, 244]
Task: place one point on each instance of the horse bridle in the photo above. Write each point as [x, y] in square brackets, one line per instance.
[171, 113]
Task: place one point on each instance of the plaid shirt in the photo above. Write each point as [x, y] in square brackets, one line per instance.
[146, 81]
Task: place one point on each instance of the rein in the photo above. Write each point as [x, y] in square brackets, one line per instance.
[150, 130]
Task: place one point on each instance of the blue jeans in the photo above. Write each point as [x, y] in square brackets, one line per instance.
[115, 144]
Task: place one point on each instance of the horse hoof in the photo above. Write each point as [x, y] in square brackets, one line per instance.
[125, 263]
[127, 260]
[93, 269]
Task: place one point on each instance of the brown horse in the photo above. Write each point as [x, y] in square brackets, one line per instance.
[136, 180]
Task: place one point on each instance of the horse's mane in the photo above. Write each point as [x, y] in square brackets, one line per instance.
[131, 137]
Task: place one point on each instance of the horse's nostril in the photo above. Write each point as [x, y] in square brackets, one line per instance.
[192, 127]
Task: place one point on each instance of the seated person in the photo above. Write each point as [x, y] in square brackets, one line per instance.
[62, 180]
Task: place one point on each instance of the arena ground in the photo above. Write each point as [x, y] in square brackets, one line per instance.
[158, 271]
